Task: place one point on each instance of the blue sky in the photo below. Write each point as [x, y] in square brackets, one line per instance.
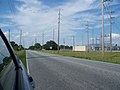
[35, 17]
[54, 3]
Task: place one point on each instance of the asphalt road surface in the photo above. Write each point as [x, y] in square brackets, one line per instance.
[54, 72]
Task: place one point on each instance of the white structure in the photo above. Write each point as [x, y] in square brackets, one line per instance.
[81, 48]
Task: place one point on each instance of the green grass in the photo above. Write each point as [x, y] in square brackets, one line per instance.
[113, 57]
[22, 55]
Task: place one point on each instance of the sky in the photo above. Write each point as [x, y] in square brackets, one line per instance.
[78, 18]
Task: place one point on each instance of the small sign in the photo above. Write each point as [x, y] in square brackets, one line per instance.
[50, 47]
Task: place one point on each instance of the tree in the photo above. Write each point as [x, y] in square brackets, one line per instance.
[15, 46]
[37, 46]
[68, 47]
[21, 47]
[12, 43]
[31, 48]
[62, 46]
[50, 45]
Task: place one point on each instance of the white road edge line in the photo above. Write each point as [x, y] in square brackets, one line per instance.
[28, 71]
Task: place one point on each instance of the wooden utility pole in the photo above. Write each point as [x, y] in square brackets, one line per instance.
[20, 37]
[102, 28]
[110, 30]
[82, 37]
[58, 30]
[23, 43]
[53, 34]
[43, 38]
[73, 43]
[64, 42]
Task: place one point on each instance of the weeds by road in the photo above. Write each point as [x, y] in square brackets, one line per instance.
[22, 55]
[108, 57]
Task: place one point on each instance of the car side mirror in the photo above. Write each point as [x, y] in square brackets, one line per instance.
[31, 81]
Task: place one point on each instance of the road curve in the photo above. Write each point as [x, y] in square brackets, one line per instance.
[54, 72]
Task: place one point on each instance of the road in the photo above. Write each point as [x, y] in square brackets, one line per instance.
[54, 72]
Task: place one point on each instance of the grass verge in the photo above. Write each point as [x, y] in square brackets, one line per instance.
[22, 55]
[113, 57]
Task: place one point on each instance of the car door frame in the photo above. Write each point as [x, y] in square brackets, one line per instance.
[22, 79]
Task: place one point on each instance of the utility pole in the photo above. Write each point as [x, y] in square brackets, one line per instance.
[103, 29]
[96, 41]
[110, 29]
[23, 43]
[87, 36]
[35, 40]
[42, 38]
[64, 42]
[82, 37]
[93, 37]
[73, 43]
[9, 35]
[110, 32]
[58, 30]
[20, 37]
[53, 34]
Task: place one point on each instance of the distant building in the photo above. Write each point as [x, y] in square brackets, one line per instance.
[82, 48]
[96, 47]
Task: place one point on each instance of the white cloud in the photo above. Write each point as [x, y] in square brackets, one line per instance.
[3, 25]
[35, 17]
[42, 15]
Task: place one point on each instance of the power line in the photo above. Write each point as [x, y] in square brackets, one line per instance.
[110, 16]
[79, 18]
[11, 6]
[107, 11]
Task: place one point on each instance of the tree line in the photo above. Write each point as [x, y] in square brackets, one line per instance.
[16, 47]
[50, 45]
